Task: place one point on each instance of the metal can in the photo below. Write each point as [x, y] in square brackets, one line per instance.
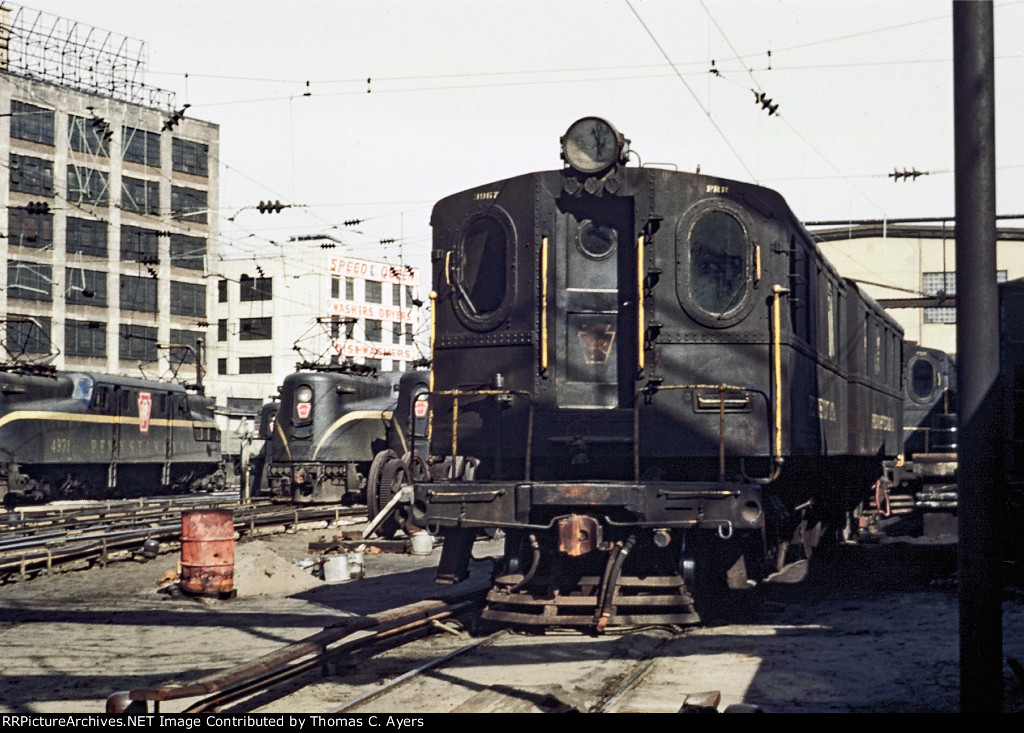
[208, 552]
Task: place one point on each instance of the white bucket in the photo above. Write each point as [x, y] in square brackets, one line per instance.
[355, 564]
[336, 569]
[421, 543]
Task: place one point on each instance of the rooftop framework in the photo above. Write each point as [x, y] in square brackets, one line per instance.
[71, 54]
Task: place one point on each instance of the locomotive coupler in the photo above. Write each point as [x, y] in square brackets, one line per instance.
[578, 534]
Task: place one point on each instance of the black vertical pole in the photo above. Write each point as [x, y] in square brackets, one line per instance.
[977, 340]
[200, 367]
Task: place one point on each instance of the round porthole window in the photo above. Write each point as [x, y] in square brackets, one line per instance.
[596, 241]
[713, 256]
[481, 269]
[921, 379]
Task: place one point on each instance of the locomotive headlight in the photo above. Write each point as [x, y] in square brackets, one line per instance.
[592, 145]
[303, 402]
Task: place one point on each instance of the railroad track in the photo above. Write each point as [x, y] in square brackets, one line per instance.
[40, 521]
[34, 541]
[798, 649]
[509, 672]
[357, 636]
[440, 663]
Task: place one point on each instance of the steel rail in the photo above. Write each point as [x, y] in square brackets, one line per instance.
[25, 521]
[263, 673]
[413, 673]
[51, 551]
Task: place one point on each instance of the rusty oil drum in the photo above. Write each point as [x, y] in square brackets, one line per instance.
[208, 552]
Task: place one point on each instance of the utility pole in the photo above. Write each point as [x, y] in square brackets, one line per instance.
[977, 339]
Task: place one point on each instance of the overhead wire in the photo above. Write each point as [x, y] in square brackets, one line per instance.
[182, 227]
[693, 94]
[223, 239]
[785, 119]
[574, 72]
[34, 267]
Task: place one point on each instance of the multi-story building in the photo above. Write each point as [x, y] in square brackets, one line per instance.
[311, 305]
[108, 198]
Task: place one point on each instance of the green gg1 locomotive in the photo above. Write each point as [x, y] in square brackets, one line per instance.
[335, 427]
[91, 435]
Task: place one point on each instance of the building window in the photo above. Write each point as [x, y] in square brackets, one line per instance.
[335, 287]
[373, 330]
[188, 204]
[189, 157]
[32, 123]
[408, 334]
[188, 252]
[396, 295]
[140, 196]
[252, 405]
[139, 245]
[139, 146]
[255, 329]
[396, 333]
[85, 287]
[184, 345]
[31, 175]
[29, 230]
[222, 329]
[222, 366]
[373, 292]
[350, 288]
[29, 280]
[188, 299]
[255, 288]
[254, 365]
[85, 338]
[932, 283]
[222, 291]
[373, 363]
[87, 186]
[87, 237]
[28, 335]
[137, 342]
[89, 135]
[138, 293]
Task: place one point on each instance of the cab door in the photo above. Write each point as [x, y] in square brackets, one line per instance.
[105, 447]
[595, 262]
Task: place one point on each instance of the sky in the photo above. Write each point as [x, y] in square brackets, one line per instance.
[356, 110]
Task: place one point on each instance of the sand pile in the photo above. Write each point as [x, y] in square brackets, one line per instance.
[259, 571]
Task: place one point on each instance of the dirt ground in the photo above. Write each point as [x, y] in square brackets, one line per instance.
[876, 631]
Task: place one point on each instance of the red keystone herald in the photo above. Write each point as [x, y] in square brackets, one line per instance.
[145, 410]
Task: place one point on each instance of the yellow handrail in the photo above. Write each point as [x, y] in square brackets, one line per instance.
[640, 302]
[777, 291]
[433, 338]
[543, 304]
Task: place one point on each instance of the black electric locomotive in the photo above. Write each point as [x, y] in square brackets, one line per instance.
[929, 402]
[331, 422]
[665, 389]
[90, 435]
[923, 476]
